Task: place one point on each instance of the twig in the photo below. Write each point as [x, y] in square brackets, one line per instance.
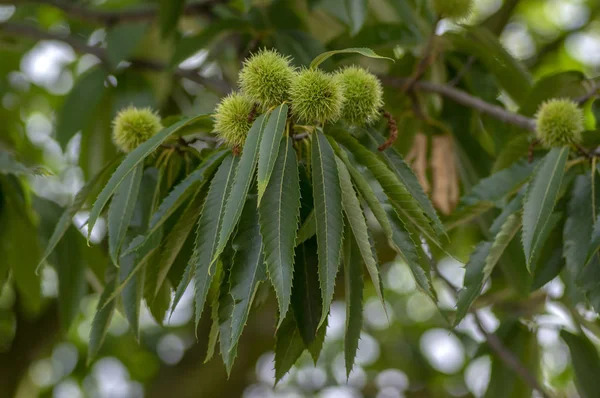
[463, 71]
[509, 359]
[505, 355]
[466, 99]
[23, 30]
[113, 17]
[426, 60]
[393, 127]
[530, 150]
[593, 91]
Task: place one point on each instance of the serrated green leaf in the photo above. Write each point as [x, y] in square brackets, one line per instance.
[226, 311]
[464, 215]
[67, 216]
[177, 237]
[473, 281]
[503, 238]
[482, 263]
[159, 303]
[180, 193]
[540, 199]
[279, 212]
[400, 198]
[594, 242]
[408, 178]
[186, 279]
[408, 251]
[327, 198]
[208, 230]
[353, 276]
[132, 272]
[269, 147]
[132, 290]
[367, 52]
[80, 104]
[288, 346]
[102, 318]
[552, 222]
[121, 209]
[393, 228]
[130, 162]
[306, 294]
[495, 187]
[247, 271]
[514, 206]
[366, 192]
[315, 348]
[213, 336]
[244, 175]
[586, 363]
[578, 225]
[358, 225]
[308, 229]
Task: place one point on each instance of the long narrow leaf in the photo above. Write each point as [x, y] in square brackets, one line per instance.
[358, 225]
[244, 175]
[482, 263]
[208, 230]
[102, 318]
[247, 271]
[327, 197]
[353, 274]
[120, 211]
[129, 163]
[540, 198]
[400, 198]
[408, 178]
[367, 52]
[306, 293]
[279, 213]
[269, 147]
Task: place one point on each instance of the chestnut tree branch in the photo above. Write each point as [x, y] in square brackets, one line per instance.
[32, 32]
[113, 17]
[465, 99]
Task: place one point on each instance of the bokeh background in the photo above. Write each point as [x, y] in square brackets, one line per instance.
[63, 77]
